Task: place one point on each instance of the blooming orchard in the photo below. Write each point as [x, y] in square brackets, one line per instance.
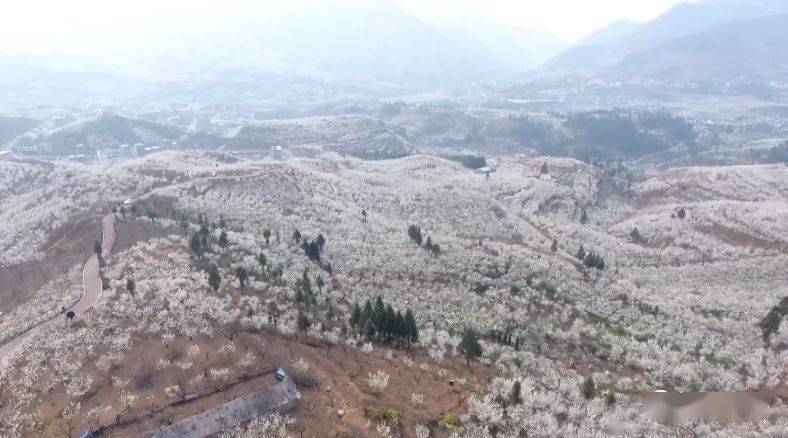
[677, 308]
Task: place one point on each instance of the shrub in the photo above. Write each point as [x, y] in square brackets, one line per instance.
[588, 388]
[469, 161]
[451, 422]
[387, 415]
[421, 431]
[378, 382]
[610, 398]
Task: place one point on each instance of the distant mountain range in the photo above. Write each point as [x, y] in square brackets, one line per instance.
[708, 39]
[340, 50]
[609, 33]
[753, 49]
[341, 41]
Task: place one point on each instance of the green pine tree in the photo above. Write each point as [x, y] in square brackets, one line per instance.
[516, 396]
[400, 330]
[470, 346]
[367, 314]
[588, 388]
[355, 316]
[411, 328]
[242, 274]
[302, 323]
[313, 251]
[214, 278]
[379, 313]
[389, 323]
[369, 329]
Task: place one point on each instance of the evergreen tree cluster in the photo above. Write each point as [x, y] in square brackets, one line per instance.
[621, 133]
[267, 272]
[590, 260]
[432, 248]
[381, 320]
[775, 155]
[304, 293]
[470, 346]
[390, 108]
[771, 322]
[637, 237]
[414, 232]
[778, 154]
[531, 131]
[313, 249]
[594, 261]
[199, 241]
[504, 337]
[223, 241]
[469, 161]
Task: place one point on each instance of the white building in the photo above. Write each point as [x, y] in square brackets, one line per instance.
[106, 154]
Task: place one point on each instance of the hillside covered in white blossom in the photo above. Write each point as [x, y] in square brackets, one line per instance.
[225, 267]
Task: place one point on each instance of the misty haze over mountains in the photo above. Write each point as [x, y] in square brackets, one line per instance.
[343, 43]
[333, 39]
[684, 26]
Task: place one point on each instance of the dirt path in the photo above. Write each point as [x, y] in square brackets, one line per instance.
[90, 278]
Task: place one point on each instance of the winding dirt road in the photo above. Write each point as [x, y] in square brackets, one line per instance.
[90, 279]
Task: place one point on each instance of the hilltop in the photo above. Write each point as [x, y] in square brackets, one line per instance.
[102, 131]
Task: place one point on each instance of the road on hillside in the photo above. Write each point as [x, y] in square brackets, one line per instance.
[91, 282]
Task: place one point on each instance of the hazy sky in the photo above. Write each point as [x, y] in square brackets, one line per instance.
[41, 25]
[568, 19]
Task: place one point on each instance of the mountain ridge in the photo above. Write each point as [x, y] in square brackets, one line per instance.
[682, 20]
